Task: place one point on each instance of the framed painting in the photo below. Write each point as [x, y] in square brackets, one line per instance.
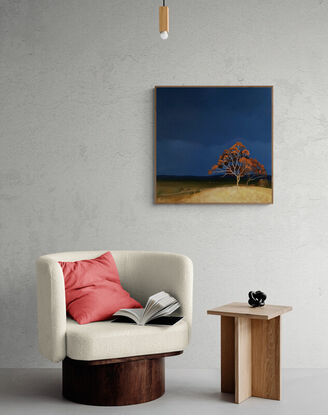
[214, 144]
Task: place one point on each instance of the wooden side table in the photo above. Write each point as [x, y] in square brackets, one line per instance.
[250, 350]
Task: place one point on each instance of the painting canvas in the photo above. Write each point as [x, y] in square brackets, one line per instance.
[213, 144]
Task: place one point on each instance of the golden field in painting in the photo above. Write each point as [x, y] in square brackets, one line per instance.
[207, 192]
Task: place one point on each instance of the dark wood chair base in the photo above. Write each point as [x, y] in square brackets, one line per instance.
[115, 382]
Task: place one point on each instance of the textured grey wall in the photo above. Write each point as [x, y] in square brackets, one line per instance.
[76, 159]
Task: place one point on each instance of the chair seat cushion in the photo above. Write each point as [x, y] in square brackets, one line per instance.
[109, 340]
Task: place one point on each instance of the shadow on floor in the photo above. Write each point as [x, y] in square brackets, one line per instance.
[25, 384]
[197, 392]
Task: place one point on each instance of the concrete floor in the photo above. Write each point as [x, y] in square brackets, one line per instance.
[38, 391]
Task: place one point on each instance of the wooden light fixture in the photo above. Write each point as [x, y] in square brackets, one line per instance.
[164, 21]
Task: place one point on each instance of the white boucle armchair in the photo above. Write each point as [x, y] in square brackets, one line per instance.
[104, 361]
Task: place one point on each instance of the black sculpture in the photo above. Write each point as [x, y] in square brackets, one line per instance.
[256, 299]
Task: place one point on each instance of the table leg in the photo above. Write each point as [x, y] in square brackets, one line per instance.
[227, 354]
[250, 357]
[266, 358]
[243, 359]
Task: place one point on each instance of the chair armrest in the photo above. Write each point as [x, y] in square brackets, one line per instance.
[51, 309]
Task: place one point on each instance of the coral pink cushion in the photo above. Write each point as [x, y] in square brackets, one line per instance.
[93, 289]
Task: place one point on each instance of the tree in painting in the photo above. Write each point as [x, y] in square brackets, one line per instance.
[236, 162]
[257, 171]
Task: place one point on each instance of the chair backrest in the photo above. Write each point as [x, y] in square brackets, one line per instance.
[142, 274]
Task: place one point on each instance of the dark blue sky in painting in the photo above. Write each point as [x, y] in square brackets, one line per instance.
[194, 126]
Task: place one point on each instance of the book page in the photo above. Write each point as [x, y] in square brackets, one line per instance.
[166, 311]
[159, 305]
[153, 305]
[135, 314]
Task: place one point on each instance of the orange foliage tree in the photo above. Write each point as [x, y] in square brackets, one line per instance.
[236, 162]
[257, 171]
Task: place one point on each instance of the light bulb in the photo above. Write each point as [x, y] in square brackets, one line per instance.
[164, 35]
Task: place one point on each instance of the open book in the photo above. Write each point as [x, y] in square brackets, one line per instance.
[158, 306]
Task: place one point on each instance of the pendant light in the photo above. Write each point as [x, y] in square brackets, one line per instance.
[164, 21]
